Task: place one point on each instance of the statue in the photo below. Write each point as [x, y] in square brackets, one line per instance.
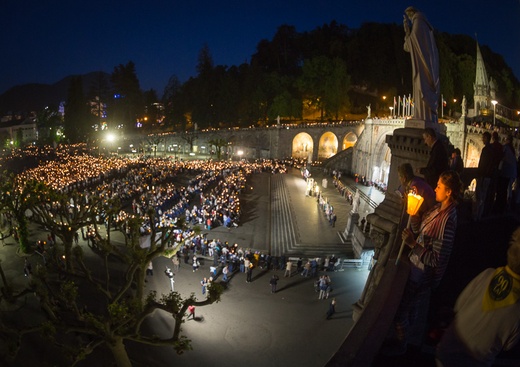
[369, 108]
[464, 108]
[420, 43]
[357, 201]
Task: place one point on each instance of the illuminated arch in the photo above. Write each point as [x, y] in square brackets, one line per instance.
[349, 141]
[302, 146]
[328, 146]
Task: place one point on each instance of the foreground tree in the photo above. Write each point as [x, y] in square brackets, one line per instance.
[102, 301]
[127, 104]
[219, 145]
[65, 214]
[16, 199]
[78, 118]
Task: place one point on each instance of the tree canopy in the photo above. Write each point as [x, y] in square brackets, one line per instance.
[326, 73]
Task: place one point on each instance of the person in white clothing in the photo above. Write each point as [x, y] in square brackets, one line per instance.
[487, 315]
[288, 269]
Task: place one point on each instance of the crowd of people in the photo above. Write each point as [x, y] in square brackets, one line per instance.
[144, 184]
[182, 194]
[147, 185]
[230, 259]
[497, 171]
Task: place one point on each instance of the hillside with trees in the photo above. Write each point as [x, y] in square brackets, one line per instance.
[329, 73]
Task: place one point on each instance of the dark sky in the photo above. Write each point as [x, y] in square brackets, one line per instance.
[45, 40]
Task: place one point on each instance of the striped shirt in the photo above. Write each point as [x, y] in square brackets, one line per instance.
[436, 233]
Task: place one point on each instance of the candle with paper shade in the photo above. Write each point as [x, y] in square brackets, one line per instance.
[414, 202]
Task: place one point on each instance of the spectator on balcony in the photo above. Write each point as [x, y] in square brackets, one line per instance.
[456, 163]
[506, 177]
[411, 183]
[431, 240]
[486, 171]
[438, 160]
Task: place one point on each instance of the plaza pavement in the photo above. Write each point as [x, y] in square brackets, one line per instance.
[251, 326]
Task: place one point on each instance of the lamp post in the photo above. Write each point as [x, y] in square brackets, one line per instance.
[494, 111]
[414, 202]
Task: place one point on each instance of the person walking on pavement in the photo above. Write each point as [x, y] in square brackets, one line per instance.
[204, 284]
[329, 287]
[195, 263]
[282, 262]
[332, 309]
[246, 263]
[322, 286]
[306, 269]
[273, 282]
[191, 312]
[149, 270]
[176, 263]
[288, 269]
[299, 265]
[249, 272]
[213, 271]
[332, 219]
[225, 272]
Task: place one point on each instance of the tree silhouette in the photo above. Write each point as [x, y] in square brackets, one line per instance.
[219, 144]
[16, 199]
[77, 113]
[127, 102]
[102, 299]
[65, 214]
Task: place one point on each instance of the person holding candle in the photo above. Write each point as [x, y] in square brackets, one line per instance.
[431, 239]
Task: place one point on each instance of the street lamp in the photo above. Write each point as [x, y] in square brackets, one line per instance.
[106, 140]
[494, 103]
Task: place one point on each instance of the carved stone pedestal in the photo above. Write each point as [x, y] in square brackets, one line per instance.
[386, 222]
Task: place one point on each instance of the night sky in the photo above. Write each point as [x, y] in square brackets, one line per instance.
[42, 41]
